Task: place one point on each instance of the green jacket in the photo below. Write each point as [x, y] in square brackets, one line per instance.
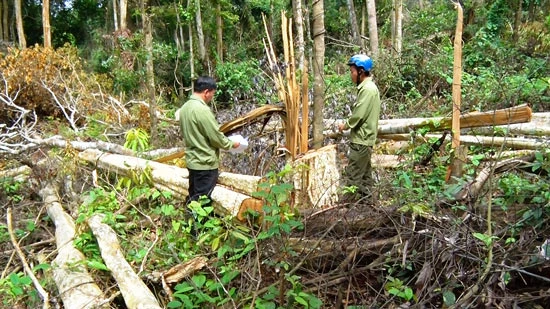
[363, 121]
[202, 137]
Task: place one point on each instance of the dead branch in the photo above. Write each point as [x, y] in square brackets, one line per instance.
[43, 294]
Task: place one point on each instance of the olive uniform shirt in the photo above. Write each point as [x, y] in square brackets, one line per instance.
[202, 137]
[363, 121]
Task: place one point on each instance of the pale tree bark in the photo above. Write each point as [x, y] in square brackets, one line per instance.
[115, 14]
[456, 166]
[397, 29]
[19, 24]
[353, 22]
[179, 39]
[219, 31]
[150, 76]
[46, 23]
[76, 286]
[123, 11]
[200, 33]
[318, 66]
[136, 294]
[373, 28]
[191, 57]
[5, 19]
[299, 22]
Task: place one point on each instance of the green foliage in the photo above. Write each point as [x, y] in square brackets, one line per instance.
[240, 81]
[137, 140]
[396, 287]
[11, 188]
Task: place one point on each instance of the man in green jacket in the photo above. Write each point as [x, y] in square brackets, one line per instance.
[363, 125]
[203, 139]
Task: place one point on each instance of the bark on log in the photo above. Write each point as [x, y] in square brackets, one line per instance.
[75, 285]
[494, 141]
[502, 117]
[517, 114]
[18, 173]
[135, 292]
[227, 197]
[538, 126]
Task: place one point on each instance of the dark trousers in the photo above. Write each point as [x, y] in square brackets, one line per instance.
[201, 183]
[359, 171]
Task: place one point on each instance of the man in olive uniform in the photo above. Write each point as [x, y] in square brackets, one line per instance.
[363, 125]
[203, 139]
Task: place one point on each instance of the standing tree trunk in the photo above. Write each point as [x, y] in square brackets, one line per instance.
[123, 10]
[353, 22]
[46, 23]
[191, 57]
[318, 66]
[373, 28]
[180, 46]
[219, 31]
[19, 23]
[299, 21]
[397, 29]
[150, 76]
[200, 33]
[115, 14]
[5, 19]
[459, 154]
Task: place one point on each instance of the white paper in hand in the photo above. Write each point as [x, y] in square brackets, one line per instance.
[243, 143]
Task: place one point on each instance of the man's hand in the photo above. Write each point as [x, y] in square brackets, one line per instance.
[236, 144]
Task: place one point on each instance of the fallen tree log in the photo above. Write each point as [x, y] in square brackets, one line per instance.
[492, 141]
[500, 117]
[227, 198]
[538, 126]
[75, 285]
[135, 292]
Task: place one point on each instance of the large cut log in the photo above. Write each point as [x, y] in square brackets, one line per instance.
[228, 196]
[499, 117]
[491, 141]
[75, 285]
[135, 292]
[538, 126]
[517, 114]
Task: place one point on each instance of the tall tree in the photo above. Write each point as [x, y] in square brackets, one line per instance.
[115, 14]
[353, 22]
[200, 33]
[299, 22]
[123, 11]
[318, 31]
[19, 24]
[219, 31]
[373, 28]
[46, 23]
[397, 26]
[191, 57]
[5, 19]
[147, 27]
